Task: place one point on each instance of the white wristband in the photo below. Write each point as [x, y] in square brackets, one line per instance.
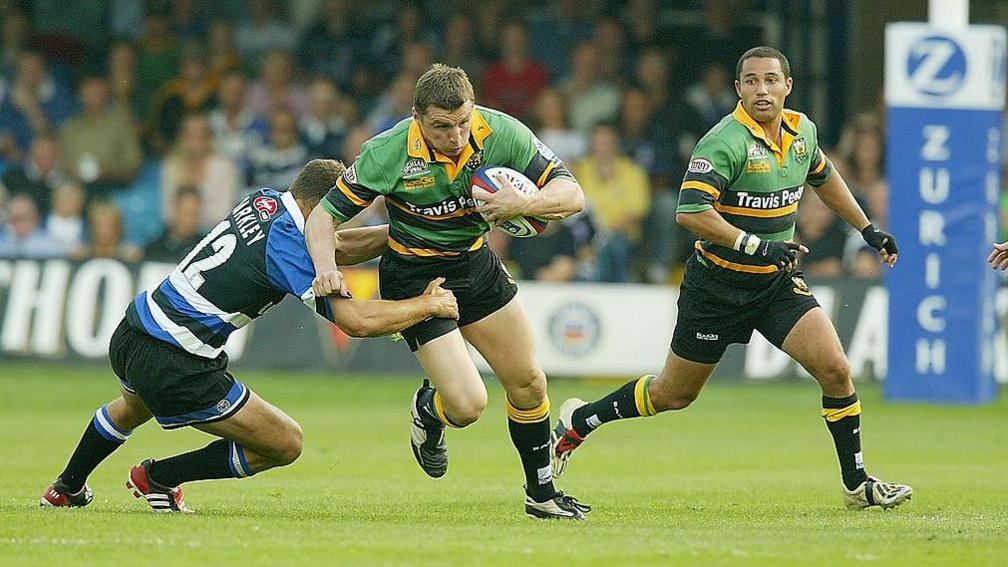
[747, 243]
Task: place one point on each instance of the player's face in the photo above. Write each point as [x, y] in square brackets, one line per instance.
[763, 87]
[447, 131]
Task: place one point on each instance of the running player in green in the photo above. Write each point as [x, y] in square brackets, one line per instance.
[422, 167]
[740, 196]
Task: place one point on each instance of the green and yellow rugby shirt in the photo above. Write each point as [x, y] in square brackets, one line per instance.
[754, 184]
[428, 195]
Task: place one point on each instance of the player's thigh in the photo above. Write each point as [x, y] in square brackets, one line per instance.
[446, 361]
[504, 338]
[814, 343]
[129, 411]
[260, 427]
[679, 382]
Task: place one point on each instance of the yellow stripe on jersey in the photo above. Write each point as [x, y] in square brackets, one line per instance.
[349, 194]
[428, 252]
[761, 213]
[545, 174]
[821, 166]
[534, 415]
[732, 265]
[701, 186]
[836, 414]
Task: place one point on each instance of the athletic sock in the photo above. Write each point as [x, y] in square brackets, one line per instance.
[431, 409]
[843, 418]
[101, 438]
[630, 400]
[530, 434]
[220, 459]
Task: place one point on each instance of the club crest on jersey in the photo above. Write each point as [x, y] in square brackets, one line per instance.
[476, 160]
[414, 166]
[700, 165]
[350, 175]
[801, 288]
[799, 149]
[267, 207]
[757, 151]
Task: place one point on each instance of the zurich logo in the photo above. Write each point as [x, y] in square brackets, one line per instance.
[936, 66]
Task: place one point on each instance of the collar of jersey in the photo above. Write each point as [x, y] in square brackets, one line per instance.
[294, 209]
[789, 127]
[417, 147]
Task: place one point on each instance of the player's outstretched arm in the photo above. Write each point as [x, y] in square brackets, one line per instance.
[558, 199]
[377, 318]
[356, 245]
[711, 226]
[998, 258]
[320, 237]
[837, 196]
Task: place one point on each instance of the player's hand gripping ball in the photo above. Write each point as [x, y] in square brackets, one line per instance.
[486, 178]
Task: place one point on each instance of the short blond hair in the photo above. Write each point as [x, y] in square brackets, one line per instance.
[442, 86]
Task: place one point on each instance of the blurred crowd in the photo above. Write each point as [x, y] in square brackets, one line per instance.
[130, 127]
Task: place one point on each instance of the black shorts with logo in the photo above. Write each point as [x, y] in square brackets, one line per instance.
[178, 387]
[478, 279]
[714, 313]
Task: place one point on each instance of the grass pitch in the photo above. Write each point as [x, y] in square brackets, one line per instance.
[746, 476]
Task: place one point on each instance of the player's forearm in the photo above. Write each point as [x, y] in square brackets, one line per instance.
[320, 236]
[377, 317]
[835, 195]
[558, 199]
[356, 245]
[711, 226]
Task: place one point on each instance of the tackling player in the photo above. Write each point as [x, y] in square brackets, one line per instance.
[423, 167]
[740, 196]
[168, 350]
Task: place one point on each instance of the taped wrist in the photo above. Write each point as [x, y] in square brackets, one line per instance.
[747, 243]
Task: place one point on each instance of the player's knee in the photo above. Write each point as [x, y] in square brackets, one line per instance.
[468, 411]
[290, 448]
[665, 398]
[528, 389]
[834, 373]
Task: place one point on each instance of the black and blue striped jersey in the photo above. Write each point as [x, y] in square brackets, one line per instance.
[239, 271]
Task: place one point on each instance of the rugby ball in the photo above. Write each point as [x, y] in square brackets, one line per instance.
[519, 227]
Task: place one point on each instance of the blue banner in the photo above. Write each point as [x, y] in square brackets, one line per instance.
[945, 93]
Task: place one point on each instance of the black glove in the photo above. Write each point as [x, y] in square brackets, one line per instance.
[879, 240]
[778, 253]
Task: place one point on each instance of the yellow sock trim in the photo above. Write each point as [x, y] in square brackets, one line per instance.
[642, 398]
[439, 410]
[835, 414]
[534, 415]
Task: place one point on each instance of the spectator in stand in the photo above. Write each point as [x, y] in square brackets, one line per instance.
[460, 50]
[560, 26]
[237, 130]
[122, 80]
[330, 47]
[106, 235]
[34, 102]
[641, 136]
[65, 223]
[824, 234]
[14, 36]
[265, 30]
[712, 97]
[590, 98]
[388, 48]
[417, 57]
[376, 213]
[158, 56]
[98, 146]
[278, 163]
[183, 231]
[552, 129]
[222, 55]
[549, 257]
[189, 21]
[325, 126]
[38, 177]
[610, 41]
[489, 14]
[642, 19]
[395, 103]
[193, 91]
[194, 163]
[277, 88]
[513, 82]
[619, 195]
[862, 151]
[23, 236]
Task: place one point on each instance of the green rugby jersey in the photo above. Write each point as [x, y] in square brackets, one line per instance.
[754, 184]
[428, 195]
